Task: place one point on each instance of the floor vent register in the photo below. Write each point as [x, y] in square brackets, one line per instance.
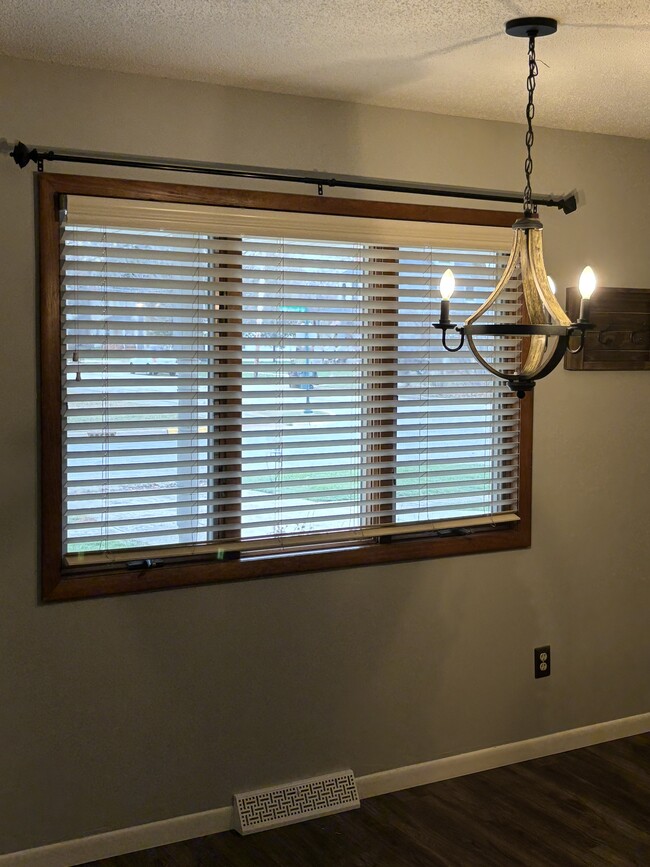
[295, 802]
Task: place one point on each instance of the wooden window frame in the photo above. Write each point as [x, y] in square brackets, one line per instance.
[59, 582]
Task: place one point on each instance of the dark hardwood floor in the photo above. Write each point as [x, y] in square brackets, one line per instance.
[586, 807]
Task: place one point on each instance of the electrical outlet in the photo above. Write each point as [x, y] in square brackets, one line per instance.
[543, 661]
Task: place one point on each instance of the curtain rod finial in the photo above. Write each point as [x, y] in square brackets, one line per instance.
[570, 202]
[22, 155]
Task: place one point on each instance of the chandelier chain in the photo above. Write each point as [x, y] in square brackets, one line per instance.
[529, 208]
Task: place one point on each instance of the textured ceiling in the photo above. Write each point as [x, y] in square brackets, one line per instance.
[445, 56]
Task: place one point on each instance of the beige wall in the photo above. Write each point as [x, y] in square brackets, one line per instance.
[115, 712]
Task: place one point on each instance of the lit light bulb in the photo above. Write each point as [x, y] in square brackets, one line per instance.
[586, 286]
[587, 283]
[551, 283]
[447, 284]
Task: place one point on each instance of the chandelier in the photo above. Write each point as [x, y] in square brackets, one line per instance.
[546, 330]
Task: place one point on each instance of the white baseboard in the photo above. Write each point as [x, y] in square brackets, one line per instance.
[397, 779]
[112, 843]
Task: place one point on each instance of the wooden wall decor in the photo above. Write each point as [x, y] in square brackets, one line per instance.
[621, 338]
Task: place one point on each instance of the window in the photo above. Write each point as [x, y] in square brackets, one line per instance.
[236, 385]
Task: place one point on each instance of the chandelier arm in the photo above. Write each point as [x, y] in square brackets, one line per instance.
[535, 311]
[503, 282]
[454, 348]
[543, 369]
[522, 384]
[513, 330]
[581, 345]
[553, 360]
[477, 355]
[534, 357]
[536, 258]
[532, 300]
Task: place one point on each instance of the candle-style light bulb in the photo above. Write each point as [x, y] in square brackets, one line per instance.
[587, 286]
[587, 283]
[447, 284]
[446, 287]
[551, 283]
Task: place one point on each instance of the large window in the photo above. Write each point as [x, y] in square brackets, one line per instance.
[248, 390]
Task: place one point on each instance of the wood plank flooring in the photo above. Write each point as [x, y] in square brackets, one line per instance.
[586, 807]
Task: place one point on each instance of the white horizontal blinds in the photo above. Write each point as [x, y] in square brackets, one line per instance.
[457, 426]
[140, 429]
[233, 390]
[215, 221]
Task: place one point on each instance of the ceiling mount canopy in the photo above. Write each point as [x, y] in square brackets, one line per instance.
[545, 329]
[531, 27]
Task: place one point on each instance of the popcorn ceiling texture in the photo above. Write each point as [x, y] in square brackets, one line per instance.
[443, 56]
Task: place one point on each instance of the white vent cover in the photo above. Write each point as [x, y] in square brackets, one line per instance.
[306, 799]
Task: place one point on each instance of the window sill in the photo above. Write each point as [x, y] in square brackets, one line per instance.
[81, 584]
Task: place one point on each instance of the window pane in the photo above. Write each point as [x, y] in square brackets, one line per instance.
[138, 403]
[292, 395]
[453, 417]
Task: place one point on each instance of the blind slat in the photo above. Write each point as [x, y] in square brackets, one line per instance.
[107, 241]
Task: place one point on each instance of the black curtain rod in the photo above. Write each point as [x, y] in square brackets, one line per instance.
[23, 155]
